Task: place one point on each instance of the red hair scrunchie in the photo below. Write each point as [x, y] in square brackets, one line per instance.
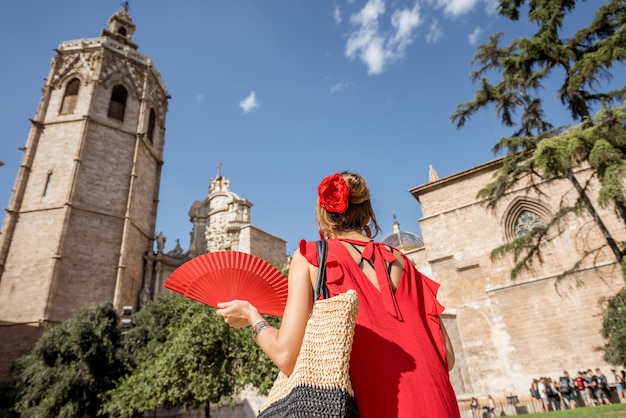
[334, 194]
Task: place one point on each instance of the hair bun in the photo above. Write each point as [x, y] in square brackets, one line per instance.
[358, 189]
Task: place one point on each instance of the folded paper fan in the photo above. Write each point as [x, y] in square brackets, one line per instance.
[226, 275]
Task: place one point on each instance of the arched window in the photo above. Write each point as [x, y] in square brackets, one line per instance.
[117, 105]
[121, 30]
[522, 216]
[70, 97]
[151, 123]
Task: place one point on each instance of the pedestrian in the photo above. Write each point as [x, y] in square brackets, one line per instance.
[536, 394]
[474, 406]
[491, 407]
[601, 389]
[567, 387]
[543, 394]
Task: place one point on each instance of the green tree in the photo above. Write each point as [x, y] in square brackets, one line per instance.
[71, 366]
[8, 399]
[614, 329]
[182, 354]
[538, 150]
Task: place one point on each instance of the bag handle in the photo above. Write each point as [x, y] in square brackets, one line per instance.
[320, 286]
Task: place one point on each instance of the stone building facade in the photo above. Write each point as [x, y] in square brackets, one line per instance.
[83, 209]
[507, 332]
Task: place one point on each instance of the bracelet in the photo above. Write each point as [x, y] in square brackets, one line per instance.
[258, 327]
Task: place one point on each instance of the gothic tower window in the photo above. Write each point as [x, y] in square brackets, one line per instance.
[117, 105]
[70, 97]
[151, 123]
[46, 188]
[122, 31]
[522, 216]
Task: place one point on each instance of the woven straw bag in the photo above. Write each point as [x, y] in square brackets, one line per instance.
[319, 385]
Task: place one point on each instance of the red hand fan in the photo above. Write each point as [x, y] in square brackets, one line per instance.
[226, 275]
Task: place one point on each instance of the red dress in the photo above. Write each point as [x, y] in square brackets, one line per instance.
[398, 364]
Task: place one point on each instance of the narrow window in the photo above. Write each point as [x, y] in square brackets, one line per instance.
[70, 97]
[151, 123]
[117, 106]
[46, 188]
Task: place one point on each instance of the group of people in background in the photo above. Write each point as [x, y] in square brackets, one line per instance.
[587, 388]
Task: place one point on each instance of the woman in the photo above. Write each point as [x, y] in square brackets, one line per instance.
[536, 394]
[474, 405]
[491, 407]
[401, 353]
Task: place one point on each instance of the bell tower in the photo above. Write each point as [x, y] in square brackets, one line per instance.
[82, 213]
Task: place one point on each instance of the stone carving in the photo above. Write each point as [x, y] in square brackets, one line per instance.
[178, 250]
[217, 238]
[83, 63]
[117, 68]
[160, 239]
[144, 296]
[219, 184]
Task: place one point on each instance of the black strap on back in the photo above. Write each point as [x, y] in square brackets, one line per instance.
[320, 286]
[369, 261]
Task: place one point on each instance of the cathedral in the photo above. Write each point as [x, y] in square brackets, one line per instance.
[80, 228]
[506, 331]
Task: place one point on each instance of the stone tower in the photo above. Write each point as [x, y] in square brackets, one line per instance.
[82, 213]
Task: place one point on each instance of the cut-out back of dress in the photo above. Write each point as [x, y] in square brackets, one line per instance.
[367, 266]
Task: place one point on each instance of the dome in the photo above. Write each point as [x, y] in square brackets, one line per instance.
[402, 240]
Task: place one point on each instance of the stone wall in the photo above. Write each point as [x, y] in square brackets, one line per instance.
[264, 245]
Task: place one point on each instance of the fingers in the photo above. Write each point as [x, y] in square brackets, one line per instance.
[234, 313]
[225, 304]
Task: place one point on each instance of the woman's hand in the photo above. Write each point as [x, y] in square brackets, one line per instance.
[238, 313]
[282, 345]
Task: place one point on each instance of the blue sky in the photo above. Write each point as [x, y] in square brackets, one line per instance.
[283, 93]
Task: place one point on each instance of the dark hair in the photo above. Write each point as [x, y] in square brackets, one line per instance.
[359, 216]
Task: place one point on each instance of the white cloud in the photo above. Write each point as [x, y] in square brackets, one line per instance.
[457, 7]
[434, 32]
[491, 6]
[404, 21]
[374, 46]
[473, 37]
[338, 87]
[337, 15]
[366, 42]
[249, 103]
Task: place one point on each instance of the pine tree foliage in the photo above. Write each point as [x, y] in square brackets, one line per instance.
[538, 150]
[614, 329]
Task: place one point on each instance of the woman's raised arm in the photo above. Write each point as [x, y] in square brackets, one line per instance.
[282, 345]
